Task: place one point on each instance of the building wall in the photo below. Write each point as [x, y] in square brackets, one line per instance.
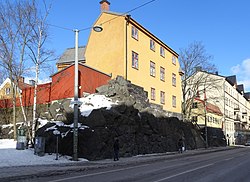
[231, 103]
[61, 87]
[213, 120]
[107, 51]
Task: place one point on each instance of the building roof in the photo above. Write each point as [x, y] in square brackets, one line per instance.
[84, 65]
[240, 88]
[211, 108]
[232, 80]
[247, 96]
[68, 56]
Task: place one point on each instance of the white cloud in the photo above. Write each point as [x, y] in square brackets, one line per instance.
[242, 71]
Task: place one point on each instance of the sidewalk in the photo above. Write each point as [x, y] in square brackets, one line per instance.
[24, 172]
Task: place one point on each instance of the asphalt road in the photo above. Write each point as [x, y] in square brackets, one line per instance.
[229, 166]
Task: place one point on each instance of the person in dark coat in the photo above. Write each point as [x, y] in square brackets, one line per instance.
[116, 150]
[180, 145]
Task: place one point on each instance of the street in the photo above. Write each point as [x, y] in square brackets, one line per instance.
[229, 165]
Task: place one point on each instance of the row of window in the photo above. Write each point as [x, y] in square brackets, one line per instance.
[135, 35]
[209, 119]
[162, 97]
[135, 63]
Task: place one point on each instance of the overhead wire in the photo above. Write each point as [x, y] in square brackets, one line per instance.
[138, 7]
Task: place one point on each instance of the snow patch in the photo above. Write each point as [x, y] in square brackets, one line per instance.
[92, 102]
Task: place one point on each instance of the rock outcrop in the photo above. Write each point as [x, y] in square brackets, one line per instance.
[141, 127]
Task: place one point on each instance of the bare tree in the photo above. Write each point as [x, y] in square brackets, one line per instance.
[193, 59]
[21, 27]
[38, 52]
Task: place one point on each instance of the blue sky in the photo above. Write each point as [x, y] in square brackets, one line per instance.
[222, 26]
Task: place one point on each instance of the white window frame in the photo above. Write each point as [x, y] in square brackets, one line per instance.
[162, 51]
[152, 44]
[152, 93]
[152, 68]
[173, 59]
[162, 94]
[162, 74]
[135, 60]
[134, 32]
[173, 79]
[174, 101]
[7, 91]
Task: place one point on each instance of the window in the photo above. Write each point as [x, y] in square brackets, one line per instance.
[162, 51]
[152, 45]
[194, 118]
[152, 68]
[194, 105]
[174, 101]
[152, 93]
[134, 60]
[173, 79]
[162, 74]
[134, 33]
[7, 91]
[174, 60]
[162, 97]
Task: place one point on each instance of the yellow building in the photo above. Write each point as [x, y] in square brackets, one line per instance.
[212, 113]
[126, 48]
[6, 91]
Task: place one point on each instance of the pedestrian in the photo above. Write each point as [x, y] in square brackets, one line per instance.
[116, 150]
[180, 145]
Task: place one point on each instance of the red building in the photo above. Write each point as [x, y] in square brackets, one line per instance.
[62, 86]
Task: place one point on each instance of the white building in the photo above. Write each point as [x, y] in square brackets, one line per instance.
[230, 97]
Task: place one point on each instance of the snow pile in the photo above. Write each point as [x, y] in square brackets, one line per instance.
[92, 102]
[12, 157]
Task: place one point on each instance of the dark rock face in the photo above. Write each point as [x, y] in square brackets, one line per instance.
[215, 137]
[138, 133]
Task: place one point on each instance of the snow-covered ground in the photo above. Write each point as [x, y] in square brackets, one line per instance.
[10, 156]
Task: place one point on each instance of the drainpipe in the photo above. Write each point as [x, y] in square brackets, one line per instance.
[126, 47]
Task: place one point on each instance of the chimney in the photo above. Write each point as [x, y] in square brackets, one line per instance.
[32, 82]
[104, 5]
[20, 79]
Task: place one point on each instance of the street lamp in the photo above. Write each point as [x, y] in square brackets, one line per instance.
[205, 113]
[76, 87]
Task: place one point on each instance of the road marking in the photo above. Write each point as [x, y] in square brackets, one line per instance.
[228, 159]
[184, 172]
[93, 174]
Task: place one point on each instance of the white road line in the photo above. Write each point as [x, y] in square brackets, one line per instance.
[228, 159]
[93, 174]
[184, 172]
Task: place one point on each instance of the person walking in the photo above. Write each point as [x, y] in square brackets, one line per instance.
[180, 145]
[116, 150]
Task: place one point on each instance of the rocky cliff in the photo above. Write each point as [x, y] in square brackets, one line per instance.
[141, 127]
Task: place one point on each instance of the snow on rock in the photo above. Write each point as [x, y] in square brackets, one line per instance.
[92, 102]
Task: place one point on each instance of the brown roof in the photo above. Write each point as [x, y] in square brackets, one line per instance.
[68, 56]
[211, 107]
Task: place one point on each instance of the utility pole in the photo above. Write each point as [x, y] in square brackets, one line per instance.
[205, 115]
[75, 133]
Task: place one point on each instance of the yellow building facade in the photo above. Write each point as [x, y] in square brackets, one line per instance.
[126, 48]
[212, 114]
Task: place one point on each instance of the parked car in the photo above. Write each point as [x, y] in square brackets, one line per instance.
[247, 143]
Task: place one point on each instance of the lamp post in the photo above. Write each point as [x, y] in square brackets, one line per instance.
[205, 113]
[76, 87]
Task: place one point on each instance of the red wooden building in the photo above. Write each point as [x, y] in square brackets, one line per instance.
[62, 86]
